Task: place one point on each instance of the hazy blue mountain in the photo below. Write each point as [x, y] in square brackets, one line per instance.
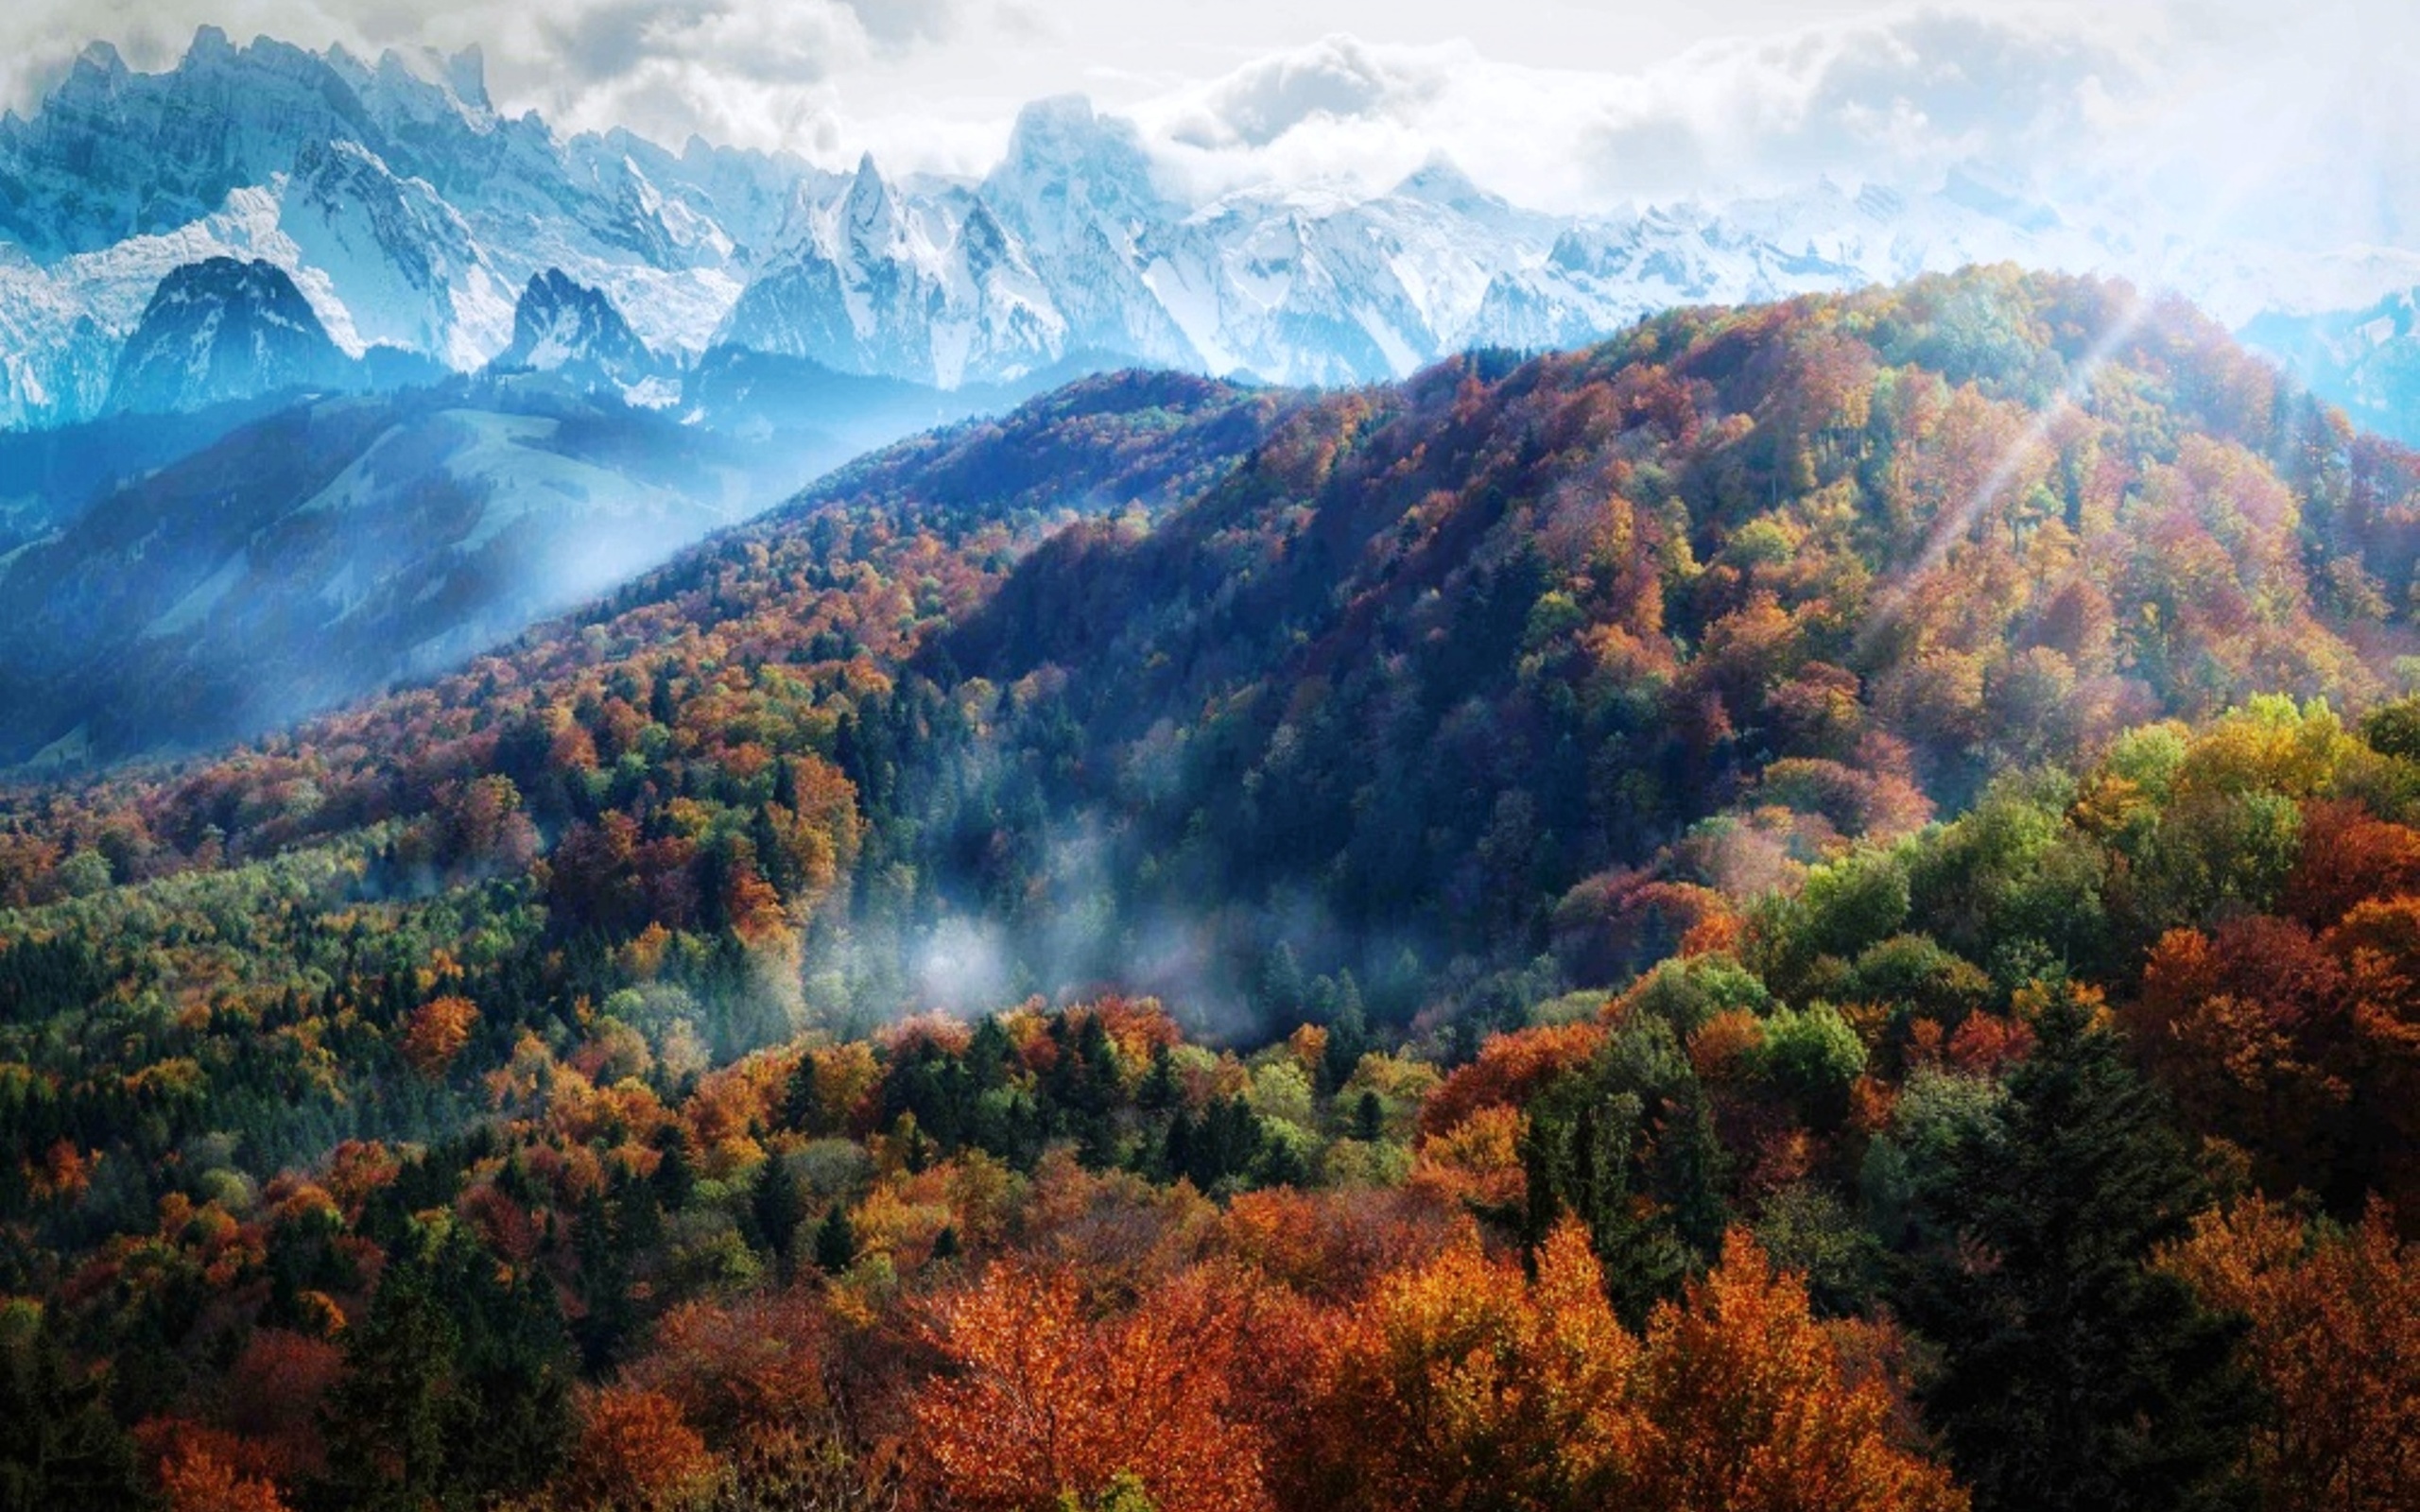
[49, 476]
[334, 548]
[222, 329]
[314, 555]
[2367, 361]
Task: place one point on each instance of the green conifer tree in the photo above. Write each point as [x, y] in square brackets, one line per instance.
[2075, 1377]
[777, 1207]
[836, 1240]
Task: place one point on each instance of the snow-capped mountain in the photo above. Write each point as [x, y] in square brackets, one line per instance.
[562, 326]
[1076, 190]
[407, 211]
[1606, 274]
[222, 329]
[401, 203]
[933, 289]
[400, 262]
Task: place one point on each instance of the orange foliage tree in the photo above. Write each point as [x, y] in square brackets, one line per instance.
[1461, 1385]
[1509, 1068]
[436, 1033]
[751, 1365]
[1042, 1401]
[2336, 1339]
[195, 1478]
[636, 1454]
[2302, 1048]
[1746, 1406]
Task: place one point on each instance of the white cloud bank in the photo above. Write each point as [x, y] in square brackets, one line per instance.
[1891, 98]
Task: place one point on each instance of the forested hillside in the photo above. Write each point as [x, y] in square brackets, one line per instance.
[1813, 907]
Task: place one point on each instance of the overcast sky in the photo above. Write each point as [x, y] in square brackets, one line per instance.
[2305, 110]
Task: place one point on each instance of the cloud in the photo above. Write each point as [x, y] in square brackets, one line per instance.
[756, 73]
[729, 70]
[1892, 101]
[1340, 79]
[1892, 98]
[610, 40]
[2221, 141]
[898, 23]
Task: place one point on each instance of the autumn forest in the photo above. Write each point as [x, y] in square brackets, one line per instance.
[1814, 908]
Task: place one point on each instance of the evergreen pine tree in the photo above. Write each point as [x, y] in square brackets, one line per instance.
[1348, 1036]
[512, 1419]
[673, 1176]
[801, 1103]
[1577, 1156]
[390, 1417]
[987, 1055]
[602, 1248]
[777, 1207]
[1176, 1147]
[2075, 1377]
[1159, 1091]
[1628, 1147]
[836, 1240]
[1282, 991]
[1368, 1118]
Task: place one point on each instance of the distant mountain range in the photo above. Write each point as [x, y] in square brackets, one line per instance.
[410, 216]
[317, 374]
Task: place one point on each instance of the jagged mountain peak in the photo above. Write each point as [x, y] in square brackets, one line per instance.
[565, 326]
[1052, 114]
[209, 44]
[1440, 180]
[100, 58]
[869, 216]
[1068, 164]
[467, 73]
[1063, 129]
[423, 81]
